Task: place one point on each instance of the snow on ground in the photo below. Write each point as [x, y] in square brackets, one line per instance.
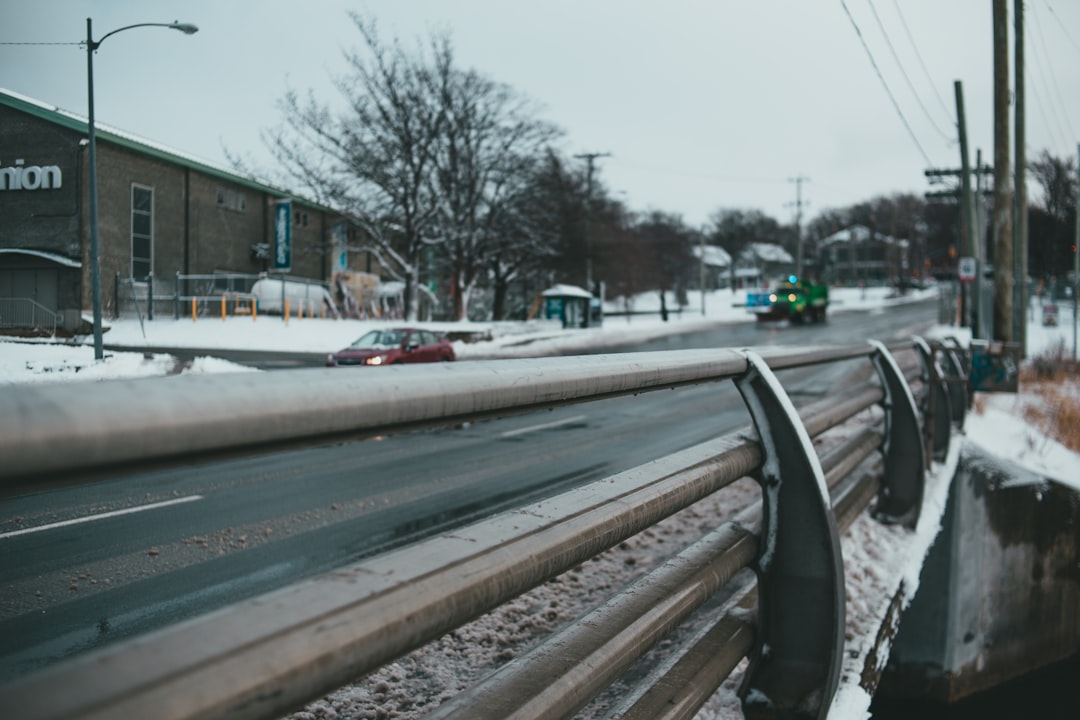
[885, 558]
[27, 361]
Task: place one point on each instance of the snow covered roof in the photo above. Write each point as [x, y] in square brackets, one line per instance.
[768, 252]
[107, 133]
[860, 234]
[714, 256]
[566, 291]
[53, 257]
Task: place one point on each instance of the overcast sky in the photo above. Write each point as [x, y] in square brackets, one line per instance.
[702, 104]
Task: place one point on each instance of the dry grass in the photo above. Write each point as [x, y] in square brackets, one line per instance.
[1055, 381]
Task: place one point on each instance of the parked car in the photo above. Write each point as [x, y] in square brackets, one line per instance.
[394, 346]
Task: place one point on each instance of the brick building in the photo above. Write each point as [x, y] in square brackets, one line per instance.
[159, 212]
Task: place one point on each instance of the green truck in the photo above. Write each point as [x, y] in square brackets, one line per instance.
[793, 300]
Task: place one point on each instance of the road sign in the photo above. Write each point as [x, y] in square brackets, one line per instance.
[966, 269]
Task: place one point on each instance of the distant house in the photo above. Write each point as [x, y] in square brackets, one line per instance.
[760, 264]
[858, 253]
[717, 264]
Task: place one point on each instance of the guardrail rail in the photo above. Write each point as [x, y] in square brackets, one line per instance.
[269, 655]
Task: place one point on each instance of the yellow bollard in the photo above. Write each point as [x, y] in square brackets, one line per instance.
[254, 309]
[193, 308]
[286, 311]
[222, 308]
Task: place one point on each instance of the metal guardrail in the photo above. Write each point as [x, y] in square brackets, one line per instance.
[266, 656]
[27, 314]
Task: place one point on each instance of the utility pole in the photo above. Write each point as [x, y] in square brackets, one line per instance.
[1076, 253]
[589, 159]
[980, 244]
[798, 180]
[1003, 250]
[967, 210]
[701, 271]
[1020, 239]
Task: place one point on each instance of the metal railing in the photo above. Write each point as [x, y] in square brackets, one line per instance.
[266, 656]
[27, 315]
[174, 297]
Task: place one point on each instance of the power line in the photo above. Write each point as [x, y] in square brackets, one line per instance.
[903, 72]
[1052, 129]
[43, 43]
[930, 80]
[885, 84]
[1059, 115]
[1062, 25]
[1054, 83]
[654, 169]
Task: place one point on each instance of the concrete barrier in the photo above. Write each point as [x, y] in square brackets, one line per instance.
[999, 595]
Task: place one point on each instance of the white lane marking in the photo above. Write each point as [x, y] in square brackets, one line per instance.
[544, 426]
[114, 513]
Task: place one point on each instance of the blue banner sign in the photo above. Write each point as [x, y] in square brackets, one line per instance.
[283, 235]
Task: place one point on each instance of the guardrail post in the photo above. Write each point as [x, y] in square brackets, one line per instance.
[936, 406]
[900, 499]
[176, 297]
[795, 666]
[150, 296]
[958, 383]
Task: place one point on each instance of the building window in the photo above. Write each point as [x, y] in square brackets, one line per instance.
[300, 219]
[231, 200]
[142, 231]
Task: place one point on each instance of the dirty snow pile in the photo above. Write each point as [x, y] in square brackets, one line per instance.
[50, 362]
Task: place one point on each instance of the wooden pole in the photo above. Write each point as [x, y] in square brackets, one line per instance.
[1003, 250]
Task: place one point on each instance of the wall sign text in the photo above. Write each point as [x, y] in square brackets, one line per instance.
[30, 177]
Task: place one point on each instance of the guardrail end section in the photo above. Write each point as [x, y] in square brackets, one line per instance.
[795, 666]
[900, 499]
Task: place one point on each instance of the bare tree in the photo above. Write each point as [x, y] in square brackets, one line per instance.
[1051, 222]
[487, 147]
[423, 156]
[669, 256]
[374, 158]
[528, 228]
[1057, 178]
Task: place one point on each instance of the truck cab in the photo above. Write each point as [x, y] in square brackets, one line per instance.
[795, 300]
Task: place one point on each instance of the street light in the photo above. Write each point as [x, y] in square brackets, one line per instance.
[95, 264]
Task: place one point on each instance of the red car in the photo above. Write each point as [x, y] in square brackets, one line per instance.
[394, 346]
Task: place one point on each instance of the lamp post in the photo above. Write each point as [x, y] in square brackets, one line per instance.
[95, 264]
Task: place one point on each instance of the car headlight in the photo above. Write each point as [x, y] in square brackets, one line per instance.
[772, 298]
[376, 360]
[791, 297]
